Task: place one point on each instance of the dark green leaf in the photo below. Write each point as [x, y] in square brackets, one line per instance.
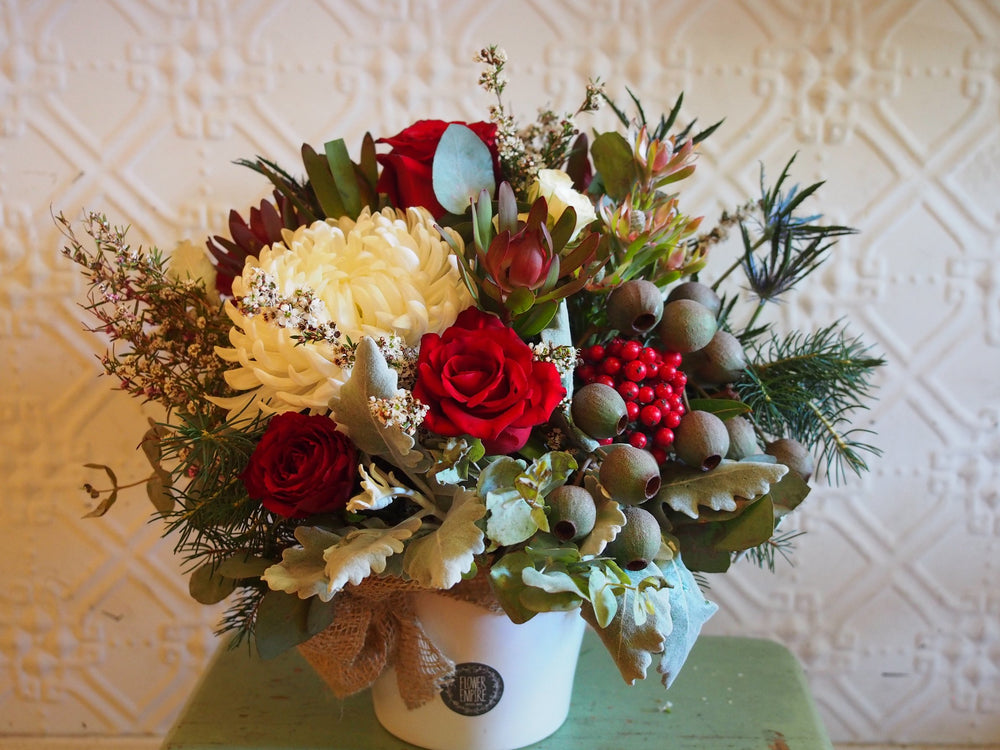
[697, 543]
[614, 161]
[505, 575]
[105, 505]
[344, 176]
[208, 587]
[520, 301]
[537, 318]
[320, 614]
[788, 493]
[723, 408]
[322, 182]
[158, 491]
[754, 526]
[369, 164]
[282, 622]
[244, 566]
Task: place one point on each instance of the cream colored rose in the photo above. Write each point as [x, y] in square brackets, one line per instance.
[557, 188]
[388, 273]
[191, 261]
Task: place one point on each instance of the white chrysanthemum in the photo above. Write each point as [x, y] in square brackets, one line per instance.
[388, 273]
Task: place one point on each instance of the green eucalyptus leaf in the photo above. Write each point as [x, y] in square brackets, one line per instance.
[158, 491]
[788, 493]
[754, 526]
[320, 614]
[697, 546]
[244, 566]
[282, 622]
[105, 505]
[208, 586]
[615, 162]
[462, 167]
[506, 578]
[541, 601]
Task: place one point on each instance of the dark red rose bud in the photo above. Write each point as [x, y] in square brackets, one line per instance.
[302, 466]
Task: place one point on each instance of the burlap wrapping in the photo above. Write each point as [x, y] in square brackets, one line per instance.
[375, 627]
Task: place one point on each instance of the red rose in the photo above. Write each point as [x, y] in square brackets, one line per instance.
[478, 378]
[302, 466]
[406, 170]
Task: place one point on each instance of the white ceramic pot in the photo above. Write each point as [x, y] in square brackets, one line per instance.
[513, 683]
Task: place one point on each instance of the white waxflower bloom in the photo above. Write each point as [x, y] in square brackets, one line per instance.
[388, 273]
[557, 188]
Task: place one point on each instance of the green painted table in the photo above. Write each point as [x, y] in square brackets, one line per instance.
[733, 694]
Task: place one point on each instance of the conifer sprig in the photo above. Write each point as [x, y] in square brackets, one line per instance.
[806, 387]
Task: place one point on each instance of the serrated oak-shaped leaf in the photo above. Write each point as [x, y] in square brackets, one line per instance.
[631, 644]
[685, 489]
[371, 377]
[440, 559]
[552, 582]
[610, 520]
[363, 552]
[302, 570]
[689, 610]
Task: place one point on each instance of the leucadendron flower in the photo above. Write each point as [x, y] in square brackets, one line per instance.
[557, 188]
[389, 274]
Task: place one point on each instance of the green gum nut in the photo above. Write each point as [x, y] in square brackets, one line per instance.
[629, 475]
[686, 326]
[701, 440]
[599, 410]
[742, 439]
[572, 512]
[638, 542]
[722, 360]
[635, 307]
[698, 292]
[792, 454]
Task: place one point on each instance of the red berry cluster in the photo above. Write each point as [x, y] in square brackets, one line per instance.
[649, 381]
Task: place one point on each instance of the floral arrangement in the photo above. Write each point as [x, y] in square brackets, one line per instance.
[482, 353]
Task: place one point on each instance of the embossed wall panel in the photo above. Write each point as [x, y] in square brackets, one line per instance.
[138, 109]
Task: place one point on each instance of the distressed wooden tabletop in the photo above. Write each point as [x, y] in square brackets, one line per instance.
[733, 694]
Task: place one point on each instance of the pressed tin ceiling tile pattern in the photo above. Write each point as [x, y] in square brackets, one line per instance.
[139, 108]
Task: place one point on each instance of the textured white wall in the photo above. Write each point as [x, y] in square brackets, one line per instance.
[137, 108]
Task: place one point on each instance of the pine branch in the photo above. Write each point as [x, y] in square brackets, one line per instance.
[765, 555]
[806, 386]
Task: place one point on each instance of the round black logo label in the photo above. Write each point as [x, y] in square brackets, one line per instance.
[477, 689]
